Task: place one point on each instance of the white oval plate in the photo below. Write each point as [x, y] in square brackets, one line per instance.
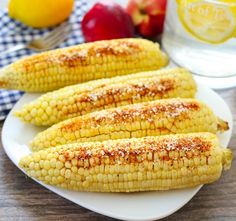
[126, 206]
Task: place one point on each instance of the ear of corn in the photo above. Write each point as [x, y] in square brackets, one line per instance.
[158, 117]
[58, 68]
[128, 165]
[106, 93]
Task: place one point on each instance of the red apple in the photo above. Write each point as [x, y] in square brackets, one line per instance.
[107, 20]
[148, 16]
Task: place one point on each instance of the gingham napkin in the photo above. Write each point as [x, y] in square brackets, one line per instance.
[13, 32]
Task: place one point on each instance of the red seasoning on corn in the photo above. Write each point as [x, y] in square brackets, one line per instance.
[55, 69]
[129, 165]
[167, 116]
[80, 99]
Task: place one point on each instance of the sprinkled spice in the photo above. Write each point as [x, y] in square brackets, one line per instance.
[131, 150]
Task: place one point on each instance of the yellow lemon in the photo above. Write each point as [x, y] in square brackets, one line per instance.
[39, 13]
[208, 21]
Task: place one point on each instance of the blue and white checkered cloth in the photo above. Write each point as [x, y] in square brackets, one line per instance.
[13, 32]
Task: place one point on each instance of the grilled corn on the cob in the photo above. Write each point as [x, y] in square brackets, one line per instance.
[158, 117]
[129, 165]
[61, 67]
[80, 99]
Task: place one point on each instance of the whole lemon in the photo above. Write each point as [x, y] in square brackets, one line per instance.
[39, 13]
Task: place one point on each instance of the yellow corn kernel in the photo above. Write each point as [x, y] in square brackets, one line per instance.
[82, 63]
[84, 98]
[167, 116]
[136, 164]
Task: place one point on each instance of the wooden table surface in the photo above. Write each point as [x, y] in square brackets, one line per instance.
[23, 199]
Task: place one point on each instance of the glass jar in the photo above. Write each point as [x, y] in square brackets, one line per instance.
[201, 36]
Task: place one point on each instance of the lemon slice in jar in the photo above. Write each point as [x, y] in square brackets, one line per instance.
[208, 21]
